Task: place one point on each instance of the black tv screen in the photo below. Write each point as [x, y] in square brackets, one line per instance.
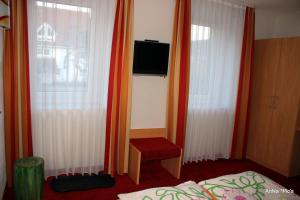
[150, 58]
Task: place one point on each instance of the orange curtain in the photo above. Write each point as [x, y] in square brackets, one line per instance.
[17, 117]
[118, 109]
[179, 72]
[239, 143]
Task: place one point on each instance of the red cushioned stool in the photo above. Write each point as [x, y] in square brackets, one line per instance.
[154, 149]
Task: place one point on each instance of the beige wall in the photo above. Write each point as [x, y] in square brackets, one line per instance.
[277, 23]
[153, 19]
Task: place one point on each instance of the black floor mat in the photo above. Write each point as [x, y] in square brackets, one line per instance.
[79, 182]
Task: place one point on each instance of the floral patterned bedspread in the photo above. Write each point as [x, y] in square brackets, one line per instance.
[247, 185]
[185, 191]
[244, 186]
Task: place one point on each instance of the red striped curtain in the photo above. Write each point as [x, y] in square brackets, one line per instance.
[118, 112]
[17, 116]
[179, 72]
[239, 143]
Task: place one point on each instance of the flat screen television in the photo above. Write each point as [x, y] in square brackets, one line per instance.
[151, 58]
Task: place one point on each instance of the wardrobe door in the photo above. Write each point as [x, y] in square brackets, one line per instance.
[266, 60]
[284, 120]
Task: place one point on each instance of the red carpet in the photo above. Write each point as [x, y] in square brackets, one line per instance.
[154, 176]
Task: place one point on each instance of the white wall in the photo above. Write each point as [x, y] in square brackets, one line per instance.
[274, 23]
[2, 149]
[153, 19]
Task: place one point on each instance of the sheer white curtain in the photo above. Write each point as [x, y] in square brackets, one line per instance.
[216, 43]
[70, 46]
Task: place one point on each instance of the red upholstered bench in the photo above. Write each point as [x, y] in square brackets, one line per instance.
[154, 149]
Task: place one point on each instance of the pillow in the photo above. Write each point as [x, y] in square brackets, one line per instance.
[185, 191]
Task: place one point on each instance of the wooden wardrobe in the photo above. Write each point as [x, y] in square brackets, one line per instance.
[274, 126]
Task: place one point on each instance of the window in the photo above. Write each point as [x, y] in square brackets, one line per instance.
[216, 43]
[69, 53]
[45, 52]
[200, 33]
[200, 38]
[62, 53]
[66, 7]
[45, 33]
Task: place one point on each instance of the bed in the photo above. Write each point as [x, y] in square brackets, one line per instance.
[247, 185]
